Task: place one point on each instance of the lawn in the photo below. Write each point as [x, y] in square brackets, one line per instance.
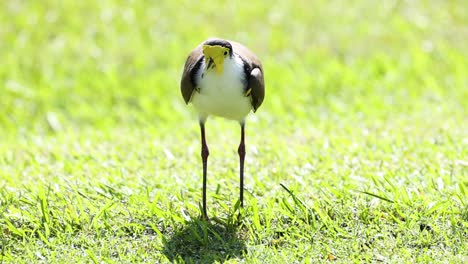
[358, 154]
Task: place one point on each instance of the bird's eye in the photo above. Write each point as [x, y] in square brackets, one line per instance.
[225, 53]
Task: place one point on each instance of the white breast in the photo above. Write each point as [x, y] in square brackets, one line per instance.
[222, 94]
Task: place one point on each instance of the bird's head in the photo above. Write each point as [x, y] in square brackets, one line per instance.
[216, 51]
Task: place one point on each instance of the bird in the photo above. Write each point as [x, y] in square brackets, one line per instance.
[222, 78]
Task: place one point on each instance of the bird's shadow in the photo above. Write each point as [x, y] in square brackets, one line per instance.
[202, 241]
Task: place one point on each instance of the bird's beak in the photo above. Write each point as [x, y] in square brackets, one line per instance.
[216, 54]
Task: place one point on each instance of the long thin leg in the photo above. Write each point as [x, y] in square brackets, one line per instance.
[204, 154]
[241, 152]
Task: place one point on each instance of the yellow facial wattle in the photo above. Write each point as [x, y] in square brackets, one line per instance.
[217, 54]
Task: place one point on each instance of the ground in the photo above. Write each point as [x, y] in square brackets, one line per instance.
[358, 154]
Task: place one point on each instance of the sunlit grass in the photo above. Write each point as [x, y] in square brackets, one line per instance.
[358, 154]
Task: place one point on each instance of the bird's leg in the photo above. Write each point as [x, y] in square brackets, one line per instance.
[241, 151]
[204, 155]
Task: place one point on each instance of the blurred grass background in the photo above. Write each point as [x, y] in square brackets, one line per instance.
[118, 63]
[361, 95]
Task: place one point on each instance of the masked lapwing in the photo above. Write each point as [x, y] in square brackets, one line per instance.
[223, 78]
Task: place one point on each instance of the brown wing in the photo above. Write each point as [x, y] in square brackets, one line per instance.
[256, 83]
[187, 83]
[255, 79]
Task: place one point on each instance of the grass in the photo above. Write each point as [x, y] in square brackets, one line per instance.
[358, 154]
